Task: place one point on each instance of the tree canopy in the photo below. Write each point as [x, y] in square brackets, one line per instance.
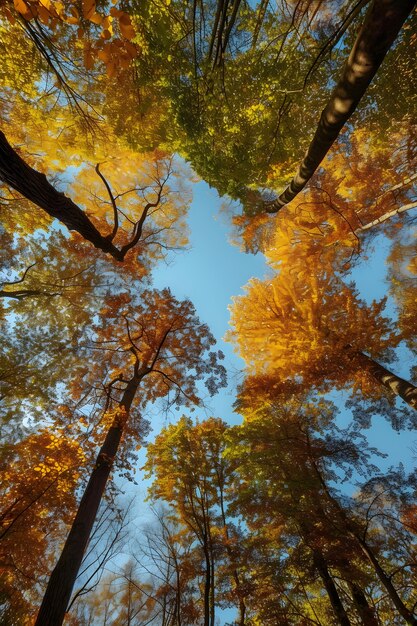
[290, 503]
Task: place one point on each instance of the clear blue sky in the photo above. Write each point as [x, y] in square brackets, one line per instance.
[209, 274]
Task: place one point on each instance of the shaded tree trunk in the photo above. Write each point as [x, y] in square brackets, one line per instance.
[235, 573]
[207, 584]
[401, 387]
[405, 613]
[61, 582]
[365, 611]
[337, 605]
[35, 187]
[379, 30]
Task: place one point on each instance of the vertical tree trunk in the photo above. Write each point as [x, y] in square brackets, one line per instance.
[379, 30]
[61, 582]
[338, 608]
[402, 388]
[35, 187]
[235, 573]
[207, 583]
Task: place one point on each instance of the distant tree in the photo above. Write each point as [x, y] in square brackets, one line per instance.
[293, 450]
[193, 478]
[39, 476]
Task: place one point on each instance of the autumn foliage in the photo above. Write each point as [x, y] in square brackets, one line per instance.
[124, 499]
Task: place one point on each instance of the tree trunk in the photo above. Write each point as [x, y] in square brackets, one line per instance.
[386, 216]
[207, 583]
[386, 581]
[235, 573]
[35, 187]
[366, 612]
[405, 613]
[379, 30]
[61, 582]
[401, 387]
[338, 608]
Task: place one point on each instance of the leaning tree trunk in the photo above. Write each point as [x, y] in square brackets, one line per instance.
[337, 605]
[385, 580]
[379, 30]
[365, 611]
[401, 387]
[405, 613]
[35, 187]
[61, 582]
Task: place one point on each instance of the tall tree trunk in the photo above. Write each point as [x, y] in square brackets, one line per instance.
[61, 582]
[365, 611]
[405, 613]
[235, 573]
[35, 187]
[207, 583]
[386, 581]
[379, 30]
[337, 605]
[401, 387]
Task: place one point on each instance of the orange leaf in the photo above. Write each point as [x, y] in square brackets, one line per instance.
[89, 8]
[96, 18]
[26, 11]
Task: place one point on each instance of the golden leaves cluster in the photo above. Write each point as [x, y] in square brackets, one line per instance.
[107, 35]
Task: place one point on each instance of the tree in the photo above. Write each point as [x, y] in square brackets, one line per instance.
[363, 188]
[315, 328]
[292, 448]
[193, 478]
[39, 478]
[379, 30]
[33, 185]
[162, 342]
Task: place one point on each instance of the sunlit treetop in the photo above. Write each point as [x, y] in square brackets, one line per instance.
[308, 328]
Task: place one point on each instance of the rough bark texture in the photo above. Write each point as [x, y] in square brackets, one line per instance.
[35, 187]
[61, 582]
[381, 26]
[401, 387]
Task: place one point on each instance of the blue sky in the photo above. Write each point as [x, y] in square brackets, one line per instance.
[209, 274]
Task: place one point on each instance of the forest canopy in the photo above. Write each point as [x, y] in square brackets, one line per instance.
[125, 498]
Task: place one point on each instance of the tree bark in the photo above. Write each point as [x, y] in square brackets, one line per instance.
[35, 187]
[386, 581]
[386, 216]
[379, 30]
[207, 583]
[401, 387]
[366, 612]
[405, 613]
[337, 606]
[60, 585]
